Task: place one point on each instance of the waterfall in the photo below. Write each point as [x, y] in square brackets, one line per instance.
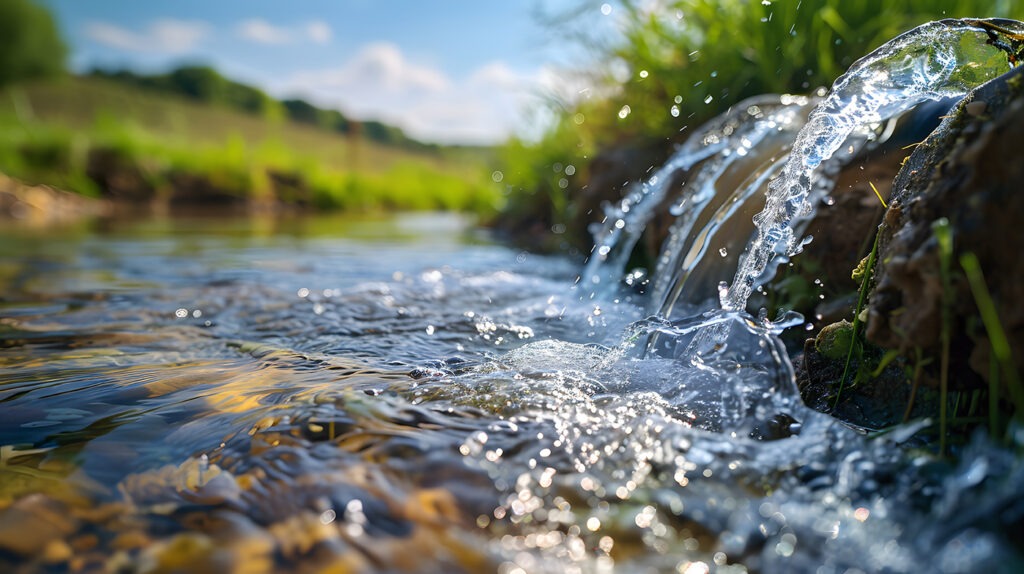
[786, 145]
[931, 62]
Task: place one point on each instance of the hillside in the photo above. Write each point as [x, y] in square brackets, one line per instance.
[51, 130]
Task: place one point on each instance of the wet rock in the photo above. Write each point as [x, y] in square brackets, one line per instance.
[968, 172]
[34, 524]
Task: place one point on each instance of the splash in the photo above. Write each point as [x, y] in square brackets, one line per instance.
[931, 62]
[720, 144]
[718, 200]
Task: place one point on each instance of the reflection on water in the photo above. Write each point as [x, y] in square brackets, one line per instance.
[403, 395]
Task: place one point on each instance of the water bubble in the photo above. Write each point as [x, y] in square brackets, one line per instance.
[643, 74]
[497, 176]
[674, 110]
[708, 99]
[430, 329]
[197, 313]
[723, 252]
[606, 9]
[570, 169]
[624, 112]
[181, 313]
[678, 99]
[302, 292]
[578, 119]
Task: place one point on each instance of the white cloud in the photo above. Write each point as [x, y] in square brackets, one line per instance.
[380, 82]
[319, 32]
[166, 35]
[263, 32]
[379, 68]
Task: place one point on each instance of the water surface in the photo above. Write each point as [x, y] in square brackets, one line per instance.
[404, 394]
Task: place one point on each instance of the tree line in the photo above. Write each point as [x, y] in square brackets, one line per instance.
[205, 84]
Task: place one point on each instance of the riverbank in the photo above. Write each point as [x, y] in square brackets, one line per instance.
[102, 139]
[45, 205]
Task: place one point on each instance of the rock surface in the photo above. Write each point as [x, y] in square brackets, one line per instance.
[969, 171]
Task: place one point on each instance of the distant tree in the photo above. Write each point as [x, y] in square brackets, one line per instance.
[304, 112]
[30, 45]
[249, 99]
[199, 82]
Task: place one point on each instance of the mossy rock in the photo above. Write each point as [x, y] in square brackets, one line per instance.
[833, 342]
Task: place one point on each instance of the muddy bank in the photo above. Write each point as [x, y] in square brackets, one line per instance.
[43, 205]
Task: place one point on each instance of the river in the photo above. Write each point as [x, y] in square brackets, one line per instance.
[406, 394]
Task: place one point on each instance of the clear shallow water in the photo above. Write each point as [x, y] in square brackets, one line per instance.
[404, 395]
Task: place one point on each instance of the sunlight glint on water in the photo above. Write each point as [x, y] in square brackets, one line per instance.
[434, 403]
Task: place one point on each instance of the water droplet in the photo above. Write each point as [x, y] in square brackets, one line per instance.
[723, 293]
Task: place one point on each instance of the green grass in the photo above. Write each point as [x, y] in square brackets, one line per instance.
[678, 63]
[48, 128]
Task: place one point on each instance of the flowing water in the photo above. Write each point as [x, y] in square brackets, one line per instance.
[405, 395]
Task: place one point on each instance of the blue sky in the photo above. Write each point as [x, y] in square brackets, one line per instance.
[465, 71]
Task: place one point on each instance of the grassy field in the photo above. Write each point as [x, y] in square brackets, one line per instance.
[47, 130]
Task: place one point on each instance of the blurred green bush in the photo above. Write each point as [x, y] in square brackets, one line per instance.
[669, 65]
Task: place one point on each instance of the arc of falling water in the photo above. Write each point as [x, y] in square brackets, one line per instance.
[717, 143]
[937, 60]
